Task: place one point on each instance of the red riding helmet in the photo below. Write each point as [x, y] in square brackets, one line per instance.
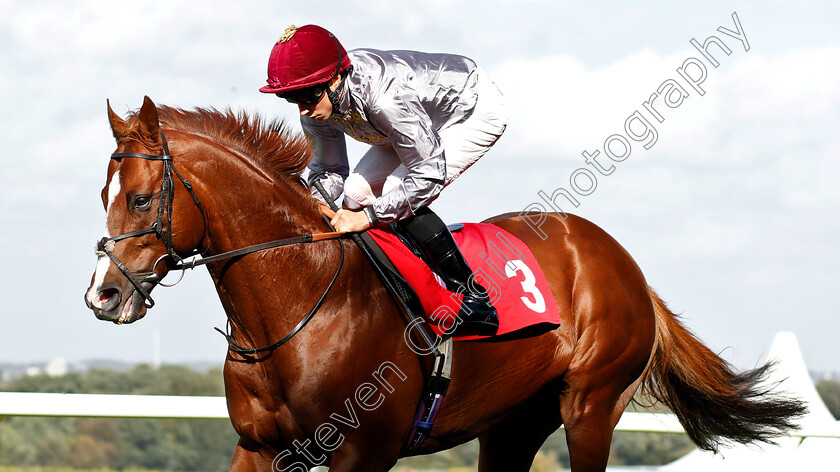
[304, 57]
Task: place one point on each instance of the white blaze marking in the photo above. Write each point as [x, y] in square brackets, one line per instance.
[113, 190]
[104, 262]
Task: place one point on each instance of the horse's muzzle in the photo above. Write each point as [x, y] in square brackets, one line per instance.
[120, 305]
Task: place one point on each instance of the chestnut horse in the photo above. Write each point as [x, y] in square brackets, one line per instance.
[343, 391]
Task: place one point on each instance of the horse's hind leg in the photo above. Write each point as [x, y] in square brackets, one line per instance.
[599, 386]
[590, 418]
[510, 445]
[590, 410]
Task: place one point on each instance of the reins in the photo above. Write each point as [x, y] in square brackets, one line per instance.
[106, 246]
[251, 351]
[308, 238]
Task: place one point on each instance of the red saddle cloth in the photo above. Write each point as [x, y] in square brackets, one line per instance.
[501, 263]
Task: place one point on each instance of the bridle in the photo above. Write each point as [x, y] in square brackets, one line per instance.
[162, 228]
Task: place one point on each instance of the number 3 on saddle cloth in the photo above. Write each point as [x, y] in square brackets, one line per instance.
[501, 263]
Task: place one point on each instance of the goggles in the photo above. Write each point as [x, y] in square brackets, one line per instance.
[306, 96]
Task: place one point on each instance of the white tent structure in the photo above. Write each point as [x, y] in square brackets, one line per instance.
[815, 449]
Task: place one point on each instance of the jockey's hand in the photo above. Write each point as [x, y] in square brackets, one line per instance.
[350, 221]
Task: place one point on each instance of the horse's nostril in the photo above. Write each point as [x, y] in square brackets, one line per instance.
[108, 299]
[107, 294]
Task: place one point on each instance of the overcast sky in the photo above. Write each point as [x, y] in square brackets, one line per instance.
[732, 213]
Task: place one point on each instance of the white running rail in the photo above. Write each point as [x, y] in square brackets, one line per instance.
[187, 407]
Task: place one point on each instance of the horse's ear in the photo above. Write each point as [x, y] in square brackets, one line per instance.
[149, 125]
[118, 124]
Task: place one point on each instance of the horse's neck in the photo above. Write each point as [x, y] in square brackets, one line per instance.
[249, 205]
[263, 293]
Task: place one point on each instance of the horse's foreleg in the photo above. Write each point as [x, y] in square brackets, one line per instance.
[247, 460]
[370, 462]
[373, 453]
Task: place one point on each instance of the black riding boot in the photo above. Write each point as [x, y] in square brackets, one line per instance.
[477, 316]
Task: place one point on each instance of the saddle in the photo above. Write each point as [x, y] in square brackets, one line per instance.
[501, 263]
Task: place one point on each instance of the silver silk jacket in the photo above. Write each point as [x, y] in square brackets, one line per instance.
[398, 99]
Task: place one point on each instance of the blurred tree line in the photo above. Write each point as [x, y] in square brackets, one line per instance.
[120, 443]
[829, 390]
[207, 445]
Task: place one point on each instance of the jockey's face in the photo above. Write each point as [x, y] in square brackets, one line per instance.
[323, 109]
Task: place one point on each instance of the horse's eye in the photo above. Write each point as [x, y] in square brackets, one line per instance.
[141, 202]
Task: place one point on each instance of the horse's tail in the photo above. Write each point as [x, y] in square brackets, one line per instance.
[712, 402]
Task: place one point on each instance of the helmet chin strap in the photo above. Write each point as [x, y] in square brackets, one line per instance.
[335, 96]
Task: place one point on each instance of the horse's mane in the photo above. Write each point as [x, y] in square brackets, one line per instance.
[271, 145]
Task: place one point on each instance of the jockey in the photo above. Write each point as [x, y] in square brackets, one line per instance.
[427, 117]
